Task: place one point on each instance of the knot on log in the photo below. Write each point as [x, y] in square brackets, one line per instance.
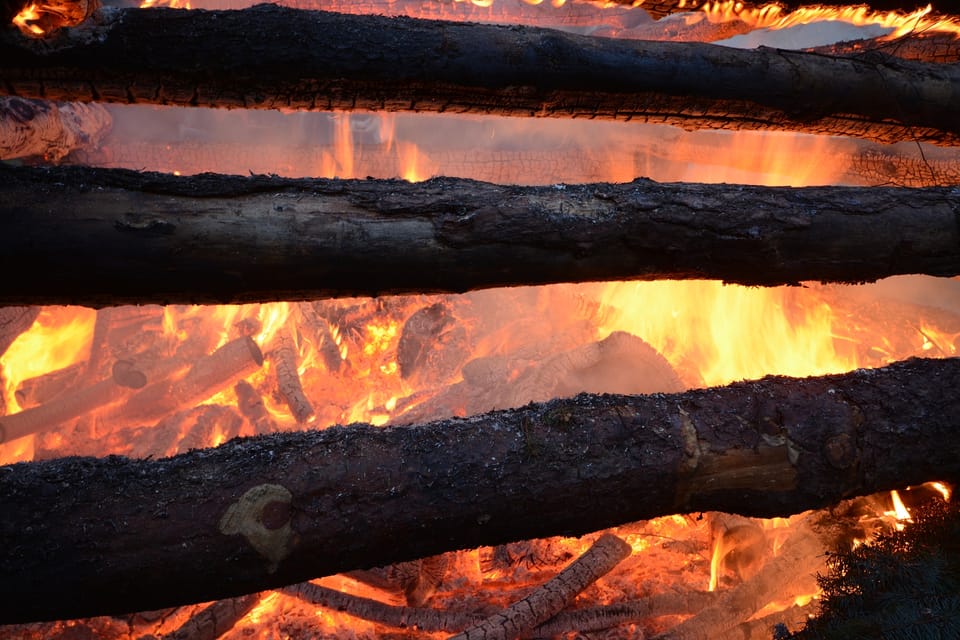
[841, 451]
[262, 516]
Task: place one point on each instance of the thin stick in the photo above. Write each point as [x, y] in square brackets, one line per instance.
[284, 357]
[549, 599]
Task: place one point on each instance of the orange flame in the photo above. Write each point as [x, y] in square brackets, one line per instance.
[24, 19]
[171, 4]
[772, 16]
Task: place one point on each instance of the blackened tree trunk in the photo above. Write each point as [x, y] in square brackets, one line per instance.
[271, 57]
[262, 512]
[112, 236]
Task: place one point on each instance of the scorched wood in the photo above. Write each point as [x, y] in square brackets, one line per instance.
[114, 236]
[261, 512]
[272, 57]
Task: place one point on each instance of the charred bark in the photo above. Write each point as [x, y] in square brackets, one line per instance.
[330, 61]
[939, 48]
[113, 236]
[262, 512]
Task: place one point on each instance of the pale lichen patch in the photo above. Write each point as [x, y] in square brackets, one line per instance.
[254, 516]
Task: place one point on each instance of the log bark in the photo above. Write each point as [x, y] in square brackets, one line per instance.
[263, 512]
[331, 61]
[112, 236]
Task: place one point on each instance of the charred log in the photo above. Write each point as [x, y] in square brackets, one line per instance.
[328, 61]
[114, 236]
[273, 510]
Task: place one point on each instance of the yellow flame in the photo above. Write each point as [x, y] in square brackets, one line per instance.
[778, 159]
[343, 146]
[171, 4]
[715, 564]
[412, 165]
[59, 337]
[273, 316]
[899, 511]
[727, 332]
[942, 489]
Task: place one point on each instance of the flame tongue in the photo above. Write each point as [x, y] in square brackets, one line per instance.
[41, 18]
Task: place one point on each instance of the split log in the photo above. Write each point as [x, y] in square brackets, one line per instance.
[115, 236]
[262, 512]
[327, 61]
[47, 130]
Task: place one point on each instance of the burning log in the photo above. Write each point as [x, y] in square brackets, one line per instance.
[115, 236]
[284, 354]
[251, 407]
[394, 64]
[267, 511]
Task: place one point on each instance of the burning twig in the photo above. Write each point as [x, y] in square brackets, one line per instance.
[549, 599]
[251, 407]
[283, 354]
[801, 558]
